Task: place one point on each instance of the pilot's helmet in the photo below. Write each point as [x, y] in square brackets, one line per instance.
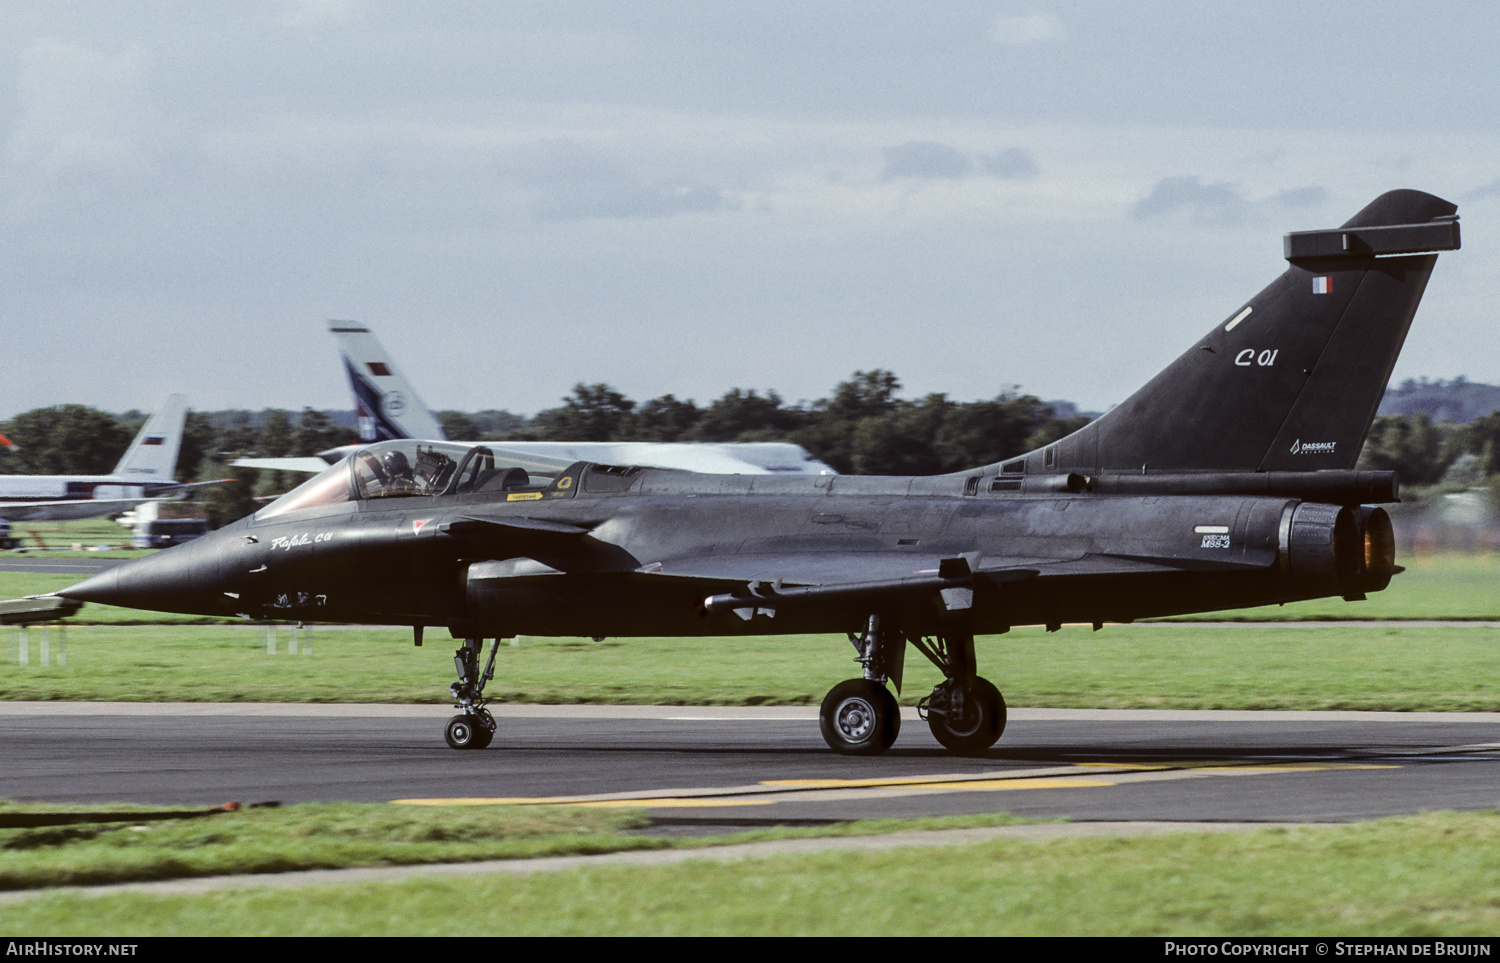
[396, 465]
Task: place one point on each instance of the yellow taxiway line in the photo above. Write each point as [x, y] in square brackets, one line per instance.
[768, 792]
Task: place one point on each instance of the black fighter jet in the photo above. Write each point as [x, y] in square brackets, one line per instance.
[1227, 481]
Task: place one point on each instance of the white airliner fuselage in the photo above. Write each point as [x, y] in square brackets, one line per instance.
[143, 474]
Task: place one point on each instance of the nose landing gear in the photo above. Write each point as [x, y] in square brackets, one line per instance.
[474, 727]
[860, 717]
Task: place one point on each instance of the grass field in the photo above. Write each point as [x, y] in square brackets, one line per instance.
[344, 835]
[84, 532]
[1171, 664]
[1433, 587]
[326, 835]
[15, 585]
[1426, 874]
[1161, 665]
[1412, 876]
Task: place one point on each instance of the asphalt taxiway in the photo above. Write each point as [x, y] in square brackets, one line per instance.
[706, 768]
[57, 566]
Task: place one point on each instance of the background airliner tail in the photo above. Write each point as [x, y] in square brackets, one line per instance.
[152, 456]
[384, 402]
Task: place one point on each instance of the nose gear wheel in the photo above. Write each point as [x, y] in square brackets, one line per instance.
[474, 727]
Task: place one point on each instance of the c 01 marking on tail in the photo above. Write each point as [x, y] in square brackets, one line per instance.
[1264, 359]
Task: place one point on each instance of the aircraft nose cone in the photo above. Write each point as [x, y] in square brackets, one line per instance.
[102, 588]
[180, 579]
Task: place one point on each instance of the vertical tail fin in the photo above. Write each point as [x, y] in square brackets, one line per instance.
[386, 405]
[152, 456]
[1291, 379]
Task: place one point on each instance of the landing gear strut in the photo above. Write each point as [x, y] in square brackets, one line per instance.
[860, 717]
[474, 727]
[965, 712]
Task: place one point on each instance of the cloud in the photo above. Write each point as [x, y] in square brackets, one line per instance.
[1014, 162]
[1301, 197]
[628, 202]
[564, 180]
[925, 159]
[1204, 203]
[1492, 189]
[1217, 204]
[1220, 203]
[79, 108]
[315, 13]
[1022, 31]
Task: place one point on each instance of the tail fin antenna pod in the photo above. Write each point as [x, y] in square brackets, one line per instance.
[386, 405]
[152, 456]
[1290, 380]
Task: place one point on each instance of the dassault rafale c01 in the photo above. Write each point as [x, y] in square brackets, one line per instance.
[1227, 481]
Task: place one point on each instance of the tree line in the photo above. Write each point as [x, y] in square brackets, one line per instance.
[862, 427]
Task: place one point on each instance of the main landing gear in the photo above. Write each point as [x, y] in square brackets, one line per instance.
[474, 727]
[860, 717]
[965, 712]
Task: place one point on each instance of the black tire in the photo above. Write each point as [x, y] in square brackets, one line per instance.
[981, 725]
[486, 726]
[463, 732]
[859, 718]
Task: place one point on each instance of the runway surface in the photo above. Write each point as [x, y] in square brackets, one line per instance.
[706, 768]
[58, 566]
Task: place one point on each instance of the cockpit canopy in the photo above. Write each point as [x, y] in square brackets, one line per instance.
[417, 469]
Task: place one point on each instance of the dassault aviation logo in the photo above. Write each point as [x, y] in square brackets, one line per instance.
[1313, 447]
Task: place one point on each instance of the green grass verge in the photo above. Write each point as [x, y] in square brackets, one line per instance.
[1414, 876]
[15, 585]
[311, 836]
[85, 531]
[1174, 664]
[1163, 665]
[343, 835]
[1432, 587]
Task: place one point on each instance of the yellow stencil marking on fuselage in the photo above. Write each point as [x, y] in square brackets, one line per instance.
[524, 497]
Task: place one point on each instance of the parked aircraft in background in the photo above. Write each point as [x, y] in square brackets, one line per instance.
[386, 405]
[144, 474]
[388, 408]
[1227, 481]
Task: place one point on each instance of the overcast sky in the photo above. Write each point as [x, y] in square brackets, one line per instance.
[689, 197]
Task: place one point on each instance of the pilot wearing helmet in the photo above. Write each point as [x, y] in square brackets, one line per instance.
[398, 474]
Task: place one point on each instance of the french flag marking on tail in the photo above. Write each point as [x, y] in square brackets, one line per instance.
[1323, 285]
